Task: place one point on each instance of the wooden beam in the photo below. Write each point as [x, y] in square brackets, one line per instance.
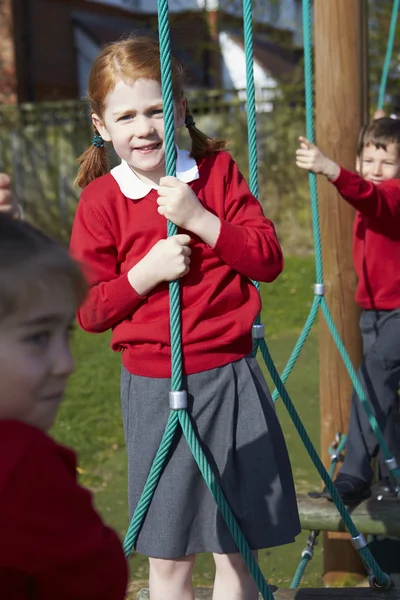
[375, 517]
[308, 594]
[339, 114]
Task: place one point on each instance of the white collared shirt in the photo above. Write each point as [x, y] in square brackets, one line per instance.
[134, 188]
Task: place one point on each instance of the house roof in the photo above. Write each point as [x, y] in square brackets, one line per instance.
[278, 61]
[104, 29]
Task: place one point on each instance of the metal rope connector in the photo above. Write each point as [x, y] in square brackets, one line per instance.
[391, 463]
[312, 541]
[359, 542]
[258, 332]
[375, 585]
[178, 400]
[319, 289]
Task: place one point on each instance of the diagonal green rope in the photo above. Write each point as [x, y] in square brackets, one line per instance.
[357, 385]
[151, 484]
[299, 344]
[389, 52]
[365, 554]
[223, 505]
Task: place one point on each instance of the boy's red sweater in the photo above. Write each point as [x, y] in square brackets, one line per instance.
[376, 240]
[53, 543]
[111, 233]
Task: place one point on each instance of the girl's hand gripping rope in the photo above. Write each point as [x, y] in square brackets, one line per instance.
[166, 261]
[179, 204]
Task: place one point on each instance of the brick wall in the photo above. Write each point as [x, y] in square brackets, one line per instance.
[8, 79]
[46, 59]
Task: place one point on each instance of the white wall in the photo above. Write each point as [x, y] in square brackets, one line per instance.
[150, 6]
[282, 13]
[234, 73]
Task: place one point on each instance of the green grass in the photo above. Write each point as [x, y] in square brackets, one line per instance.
[90, 421]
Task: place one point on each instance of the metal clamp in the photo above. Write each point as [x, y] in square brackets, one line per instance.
[337, 456]
[319, 289]
[359, 542]
[258, 332]
[178, 400]
[391, 463]
[375, 585]
[312, 541]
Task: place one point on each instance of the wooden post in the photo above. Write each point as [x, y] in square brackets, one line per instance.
[340, 111]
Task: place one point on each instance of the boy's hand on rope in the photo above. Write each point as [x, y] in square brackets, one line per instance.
[178, 203]
[166, 261]
[379, 114]
[309, 157]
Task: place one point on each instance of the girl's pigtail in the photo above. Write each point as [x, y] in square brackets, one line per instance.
[202, 144]
[93, 162]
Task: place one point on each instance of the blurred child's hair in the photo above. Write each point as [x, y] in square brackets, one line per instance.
[31, 263]
[380, 133]
[129, 59]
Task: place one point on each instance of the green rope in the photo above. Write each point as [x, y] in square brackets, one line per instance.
[182, 416]
[308, 553]
[151, 484]
[320, 300]
[251, 113]
[357, 386]
[373, 568]
[389, 52]
[170, 169]
[250, 96]
[223, 505]
[335, 453]
[300, 571]
[299, 344]
[176, 347]
[369, 561]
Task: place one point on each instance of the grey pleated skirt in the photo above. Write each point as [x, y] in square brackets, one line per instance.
[233, 414]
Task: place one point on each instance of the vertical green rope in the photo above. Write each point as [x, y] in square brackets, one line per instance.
[389, 52]
[251, 115]
[250, 96]
[312, 178]
[170, 169]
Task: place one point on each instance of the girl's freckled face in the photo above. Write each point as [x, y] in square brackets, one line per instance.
[133, 121]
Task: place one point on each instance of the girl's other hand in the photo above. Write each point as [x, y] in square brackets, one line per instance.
[167, 260]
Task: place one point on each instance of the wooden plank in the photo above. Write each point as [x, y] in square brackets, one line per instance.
[307, 594]
[373, 516]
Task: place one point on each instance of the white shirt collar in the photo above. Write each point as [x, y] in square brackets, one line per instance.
[134, 188]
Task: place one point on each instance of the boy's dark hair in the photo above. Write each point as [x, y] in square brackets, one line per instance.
[380, 133]
[31, 262]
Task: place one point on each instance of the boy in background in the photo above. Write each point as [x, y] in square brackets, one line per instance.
[375, 194]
